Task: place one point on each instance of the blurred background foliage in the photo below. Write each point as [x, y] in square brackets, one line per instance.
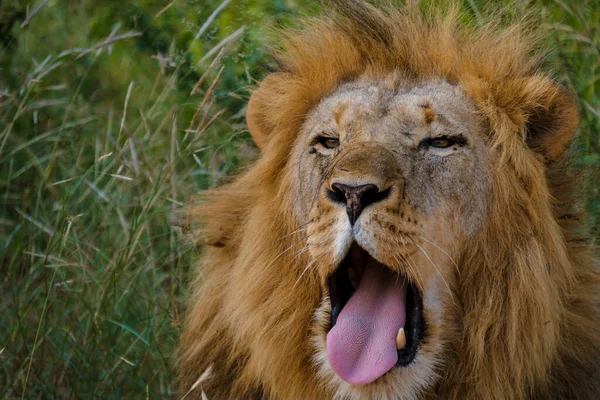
[112, 116]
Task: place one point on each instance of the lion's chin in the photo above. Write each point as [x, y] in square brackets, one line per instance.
[376, 320]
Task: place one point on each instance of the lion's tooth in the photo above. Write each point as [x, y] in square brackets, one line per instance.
[400, 339]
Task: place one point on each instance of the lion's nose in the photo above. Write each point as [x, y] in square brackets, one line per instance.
[356, 198]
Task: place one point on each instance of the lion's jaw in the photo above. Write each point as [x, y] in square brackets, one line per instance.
[407, 217]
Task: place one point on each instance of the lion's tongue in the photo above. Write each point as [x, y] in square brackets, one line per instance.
[361, 346]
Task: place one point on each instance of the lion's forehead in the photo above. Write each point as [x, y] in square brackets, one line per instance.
[409, 108]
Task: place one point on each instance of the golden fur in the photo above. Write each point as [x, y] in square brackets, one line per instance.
[524, 320]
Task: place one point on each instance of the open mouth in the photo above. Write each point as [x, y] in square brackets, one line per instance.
[376, 319]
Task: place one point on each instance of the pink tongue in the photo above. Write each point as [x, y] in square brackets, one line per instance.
[361, 346]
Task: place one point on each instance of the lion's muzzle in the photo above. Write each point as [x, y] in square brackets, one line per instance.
[356, 198]
[363, 175]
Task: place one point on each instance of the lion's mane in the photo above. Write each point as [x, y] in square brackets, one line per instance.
[526, 328]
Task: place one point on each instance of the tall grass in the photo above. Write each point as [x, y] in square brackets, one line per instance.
[93, 254]
[103, 143]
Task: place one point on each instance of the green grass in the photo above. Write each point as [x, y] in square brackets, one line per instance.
[103, 145]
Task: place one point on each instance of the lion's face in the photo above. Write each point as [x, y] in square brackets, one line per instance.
[392, 179]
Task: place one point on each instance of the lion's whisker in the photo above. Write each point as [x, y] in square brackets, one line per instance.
[443, 251]
[280, 254]
[416, 271]
[295, 232]
[310, 264]
[436, 268]
[299, 253]
[399, 262]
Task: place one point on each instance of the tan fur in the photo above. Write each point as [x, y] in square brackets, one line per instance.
[517, 317]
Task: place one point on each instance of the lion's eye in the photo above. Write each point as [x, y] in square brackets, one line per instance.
[443, 142]
[328, 142]
[440, 142]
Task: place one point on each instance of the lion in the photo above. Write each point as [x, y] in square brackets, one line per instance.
[410, 229]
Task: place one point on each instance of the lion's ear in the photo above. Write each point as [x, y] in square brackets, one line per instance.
[551, 117]
[260, 108]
